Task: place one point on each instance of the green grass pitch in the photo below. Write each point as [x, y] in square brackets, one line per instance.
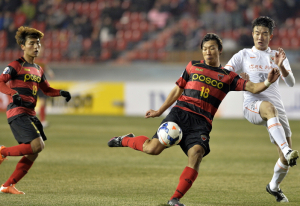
[78, 168]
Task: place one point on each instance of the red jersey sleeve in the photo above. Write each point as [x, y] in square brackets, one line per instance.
[237, 84]
[8, 74]
[184, 78]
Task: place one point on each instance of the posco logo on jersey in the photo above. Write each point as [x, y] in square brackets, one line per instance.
[32, 77]
[207, 80]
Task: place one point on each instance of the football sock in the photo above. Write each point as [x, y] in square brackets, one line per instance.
[134, 142]
[21, 170]
[19, 150]
[277, 132]
[186, 180]
[280, 171]
[42, 113]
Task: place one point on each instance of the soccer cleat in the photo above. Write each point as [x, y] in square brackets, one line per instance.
[175, 202]
[117, 141]
[2, 158]
[11, 190]
[280, 197]
[292, 157]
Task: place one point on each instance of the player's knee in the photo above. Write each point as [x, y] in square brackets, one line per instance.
[152, 150]
[196, 153]
[268, 110]
[37, 147]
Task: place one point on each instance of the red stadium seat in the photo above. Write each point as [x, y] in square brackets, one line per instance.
[120, 34]
[86, 44]
[85, 8]
[121, 45]
[56, 55]
[283, 32]
[297, 22]
[78, 7]
[285, 43]
[136, 35]
[128, 35]
[2, 55]
[105, 55]
[292, 32]
[8, 56]
[69, 7]
[295, 43]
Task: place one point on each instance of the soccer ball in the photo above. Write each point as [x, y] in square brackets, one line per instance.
[169, 134]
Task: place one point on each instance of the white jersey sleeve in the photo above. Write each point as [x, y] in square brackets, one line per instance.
[290, 79]
[235, 64]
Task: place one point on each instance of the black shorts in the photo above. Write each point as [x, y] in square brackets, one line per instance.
[27, 128]
[195, 129]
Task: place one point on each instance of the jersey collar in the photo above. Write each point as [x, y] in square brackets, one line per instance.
[256, 50]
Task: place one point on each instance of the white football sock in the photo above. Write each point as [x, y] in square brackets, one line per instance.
[280, 171]
[277, 132]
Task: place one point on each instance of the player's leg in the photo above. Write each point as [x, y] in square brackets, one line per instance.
[23, 131]
[281, 169]
[269, 113]
[189, 174]
[141, 143]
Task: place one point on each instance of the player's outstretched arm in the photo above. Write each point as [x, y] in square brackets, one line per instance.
[259, 87]
[172, 97]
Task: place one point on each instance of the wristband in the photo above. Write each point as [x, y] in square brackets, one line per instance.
[267, 83]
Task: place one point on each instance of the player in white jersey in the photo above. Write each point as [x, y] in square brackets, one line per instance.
[267, 108]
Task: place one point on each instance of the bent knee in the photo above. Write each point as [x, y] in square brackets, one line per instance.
[268, 110]
[37, 148]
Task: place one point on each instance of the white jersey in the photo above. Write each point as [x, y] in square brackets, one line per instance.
[257, 64]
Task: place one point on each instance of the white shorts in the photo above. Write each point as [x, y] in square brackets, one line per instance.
[251, 113]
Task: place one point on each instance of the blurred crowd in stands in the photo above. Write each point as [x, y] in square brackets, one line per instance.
[104, 30]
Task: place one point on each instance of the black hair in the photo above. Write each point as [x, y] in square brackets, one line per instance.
[264, 21]
[212, 36]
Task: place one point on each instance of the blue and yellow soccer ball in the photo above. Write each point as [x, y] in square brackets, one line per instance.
[169, 134]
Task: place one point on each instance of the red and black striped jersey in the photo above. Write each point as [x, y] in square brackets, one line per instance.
[26, 79]
[205, 87]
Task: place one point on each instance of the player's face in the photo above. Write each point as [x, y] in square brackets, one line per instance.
[261, 37]
[211, 53]
[32, 47]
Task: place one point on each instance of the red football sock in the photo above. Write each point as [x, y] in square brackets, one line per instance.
[42, 113]
[134, 142]
[21, 170]
[186, 180]
[19, 150]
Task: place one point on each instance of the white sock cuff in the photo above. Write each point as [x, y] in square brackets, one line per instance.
[281, 165]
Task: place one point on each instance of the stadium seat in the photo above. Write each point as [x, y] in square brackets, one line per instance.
[283, 32]
[295, 43]
[128, 35]
[120, 34]
[121, 45]
[2, 54]
[297, 22]
[136, 35]
[105, 55]
[289, 22]
[56, 55]
[85, 9]
[8, 55]
[78, 7]
[144, 27]
[69, 7]
[292, 32]
[86, 44]
[285, 43]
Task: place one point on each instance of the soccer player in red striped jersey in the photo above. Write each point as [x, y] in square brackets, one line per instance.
[199, 92]
[21, 79]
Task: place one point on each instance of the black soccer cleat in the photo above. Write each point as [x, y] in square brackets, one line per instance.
[117, 141]
[292, 157]
[175, 202]
[280, 197]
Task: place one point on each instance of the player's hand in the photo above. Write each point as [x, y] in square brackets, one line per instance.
[66, 95]
[273, 75]
[279, 57]
[152, 113]
[244, 76]
[17, 100]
